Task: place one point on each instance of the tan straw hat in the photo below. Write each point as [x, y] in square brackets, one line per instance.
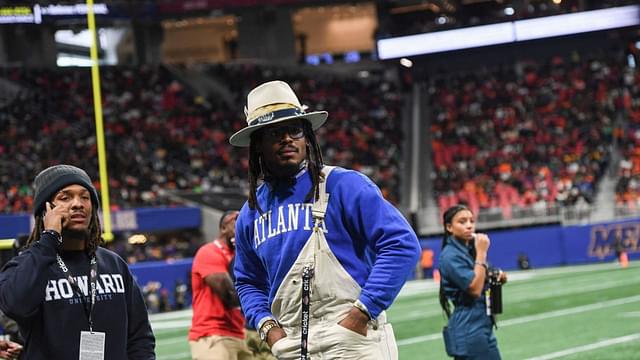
[271, 103]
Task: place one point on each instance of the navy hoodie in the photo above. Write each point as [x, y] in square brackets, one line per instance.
[36, 293]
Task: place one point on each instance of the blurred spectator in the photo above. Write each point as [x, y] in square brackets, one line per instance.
[163, 302]
[152, 296]
[180, 294]
[523, 262]
[218, 324]
[426, 262]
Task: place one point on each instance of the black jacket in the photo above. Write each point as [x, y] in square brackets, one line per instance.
[35, 292]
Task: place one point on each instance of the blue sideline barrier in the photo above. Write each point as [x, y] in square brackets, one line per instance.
[141, 219]
[556, 245]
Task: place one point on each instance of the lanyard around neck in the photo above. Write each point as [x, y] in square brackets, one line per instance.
[225, 250]
[93, 276]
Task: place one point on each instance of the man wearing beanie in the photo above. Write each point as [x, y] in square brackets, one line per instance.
[71, 298]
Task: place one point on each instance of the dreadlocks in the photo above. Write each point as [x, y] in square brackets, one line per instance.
[93, 239]
[314, 163]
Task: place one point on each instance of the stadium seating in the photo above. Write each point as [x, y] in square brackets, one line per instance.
[531, 136]
[161, 136]
[628, 185]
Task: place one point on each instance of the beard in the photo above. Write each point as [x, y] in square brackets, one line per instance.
[287, 175]
[75, 234]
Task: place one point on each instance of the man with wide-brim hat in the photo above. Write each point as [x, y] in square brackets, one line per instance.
[320, 253]
[272, 103]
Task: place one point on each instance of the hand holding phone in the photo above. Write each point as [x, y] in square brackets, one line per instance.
[53, 217]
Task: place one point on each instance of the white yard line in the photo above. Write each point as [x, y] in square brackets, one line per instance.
[417, 287]
[541, 316]
[570, 311]
[594, 346]
[419, 339]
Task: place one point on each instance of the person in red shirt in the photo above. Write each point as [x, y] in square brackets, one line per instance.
[217, 328]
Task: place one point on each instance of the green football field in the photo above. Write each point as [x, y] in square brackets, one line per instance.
[580, 312]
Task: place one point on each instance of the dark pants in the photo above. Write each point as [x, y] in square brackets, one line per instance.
[492, 352]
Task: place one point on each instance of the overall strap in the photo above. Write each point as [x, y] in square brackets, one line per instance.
[319, 208]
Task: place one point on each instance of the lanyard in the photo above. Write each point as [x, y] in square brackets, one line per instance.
[93, 275]
[307, 274]
[225, 252]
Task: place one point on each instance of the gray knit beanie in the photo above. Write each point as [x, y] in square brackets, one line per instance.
[52, 179]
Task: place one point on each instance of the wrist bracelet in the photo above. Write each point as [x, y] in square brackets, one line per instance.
[54, 234]
[362, 307]
[483, 264]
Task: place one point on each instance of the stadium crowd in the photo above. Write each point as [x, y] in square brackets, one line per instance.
[531, 136]
[628, 185]
[160, 136]
[146, 117]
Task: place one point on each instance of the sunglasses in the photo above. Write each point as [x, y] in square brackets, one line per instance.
[276, 133]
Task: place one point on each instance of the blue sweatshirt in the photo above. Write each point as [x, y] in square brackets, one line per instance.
[36, 294]
[371, 239]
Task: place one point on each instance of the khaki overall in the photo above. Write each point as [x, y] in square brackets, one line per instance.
[333, 292]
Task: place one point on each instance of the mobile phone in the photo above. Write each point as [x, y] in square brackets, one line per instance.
[44, 213]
